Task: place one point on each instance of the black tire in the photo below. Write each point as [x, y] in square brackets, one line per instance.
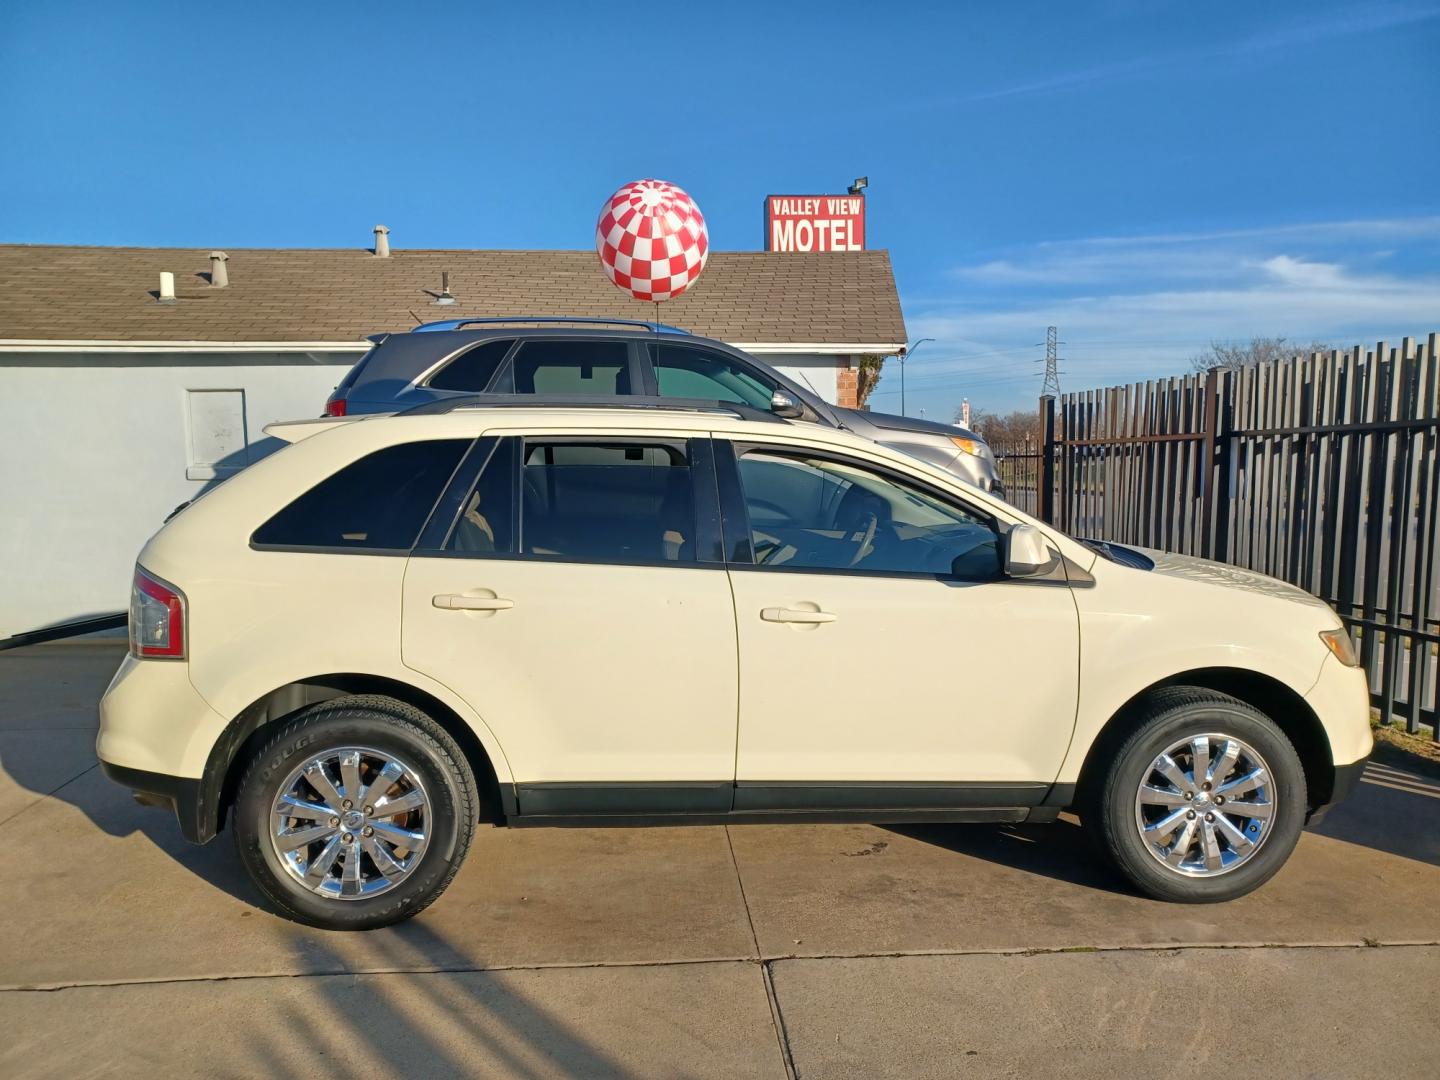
[1175, 713]
[387, 725]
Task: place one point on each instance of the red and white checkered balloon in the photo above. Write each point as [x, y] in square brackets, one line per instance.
[652, 240]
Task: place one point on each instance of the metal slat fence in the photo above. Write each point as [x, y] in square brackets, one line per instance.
[1321, 470]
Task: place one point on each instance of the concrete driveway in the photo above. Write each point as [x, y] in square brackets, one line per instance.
[811, 951]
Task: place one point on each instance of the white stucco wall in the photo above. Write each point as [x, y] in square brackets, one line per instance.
[816, 370]
[93, 455]
[95, 451]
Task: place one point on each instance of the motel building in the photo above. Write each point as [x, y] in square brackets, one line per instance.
[117, 404]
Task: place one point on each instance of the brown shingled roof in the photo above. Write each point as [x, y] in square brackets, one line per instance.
[108, 294]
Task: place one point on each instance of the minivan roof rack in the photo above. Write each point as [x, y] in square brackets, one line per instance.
[456, 324]
[588, 401]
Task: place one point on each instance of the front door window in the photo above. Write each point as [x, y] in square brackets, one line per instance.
[813, 512]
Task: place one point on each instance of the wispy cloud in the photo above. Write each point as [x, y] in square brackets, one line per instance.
[1309, 31]
[1217, 255]
[1139, 307]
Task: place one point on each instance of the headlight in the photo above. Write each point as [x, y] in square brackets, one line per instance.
[1339, 643]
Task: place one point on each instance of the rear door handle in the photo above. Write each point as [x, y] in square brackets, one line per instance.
[799, 615]
[461, 602]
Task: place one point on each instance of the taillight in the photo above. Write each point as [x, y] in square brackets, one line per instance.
[157, 619]
[335, 407]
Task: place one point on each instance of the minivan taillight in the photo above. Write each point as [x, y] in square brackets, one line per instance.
[157, 619]
[335, 407]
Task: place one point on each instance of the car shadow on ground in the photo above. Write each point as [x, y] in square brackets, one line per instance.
[1394, 809]
[1058, 850]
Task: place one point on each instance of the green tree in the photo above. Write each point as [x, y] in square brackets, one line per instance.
[868, 377]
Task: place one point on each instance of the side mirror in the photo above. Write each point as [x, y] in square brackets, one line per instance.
[1027, 554]
[785, 407]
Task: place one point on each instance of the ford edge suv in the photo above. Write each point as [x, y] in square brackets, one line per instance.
[398, 627]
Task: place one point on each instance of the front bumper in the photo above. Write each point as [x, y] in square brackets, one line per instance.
[1345, 777]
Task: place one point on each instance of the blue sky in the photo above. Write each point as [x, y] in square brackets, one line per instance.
[1147, 175]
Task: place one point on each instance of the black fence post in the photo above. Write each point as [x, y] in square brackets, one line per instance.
[1215, 533]
[1045, 495]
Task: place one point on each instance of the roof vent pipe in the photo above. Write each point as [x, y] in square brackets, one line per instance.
[219, 277]
[445, 296]
[382, 242]
[167, 287]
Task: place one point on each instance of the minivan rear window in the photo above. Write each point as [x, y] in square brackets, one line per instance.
[378, 503]
[472, 370]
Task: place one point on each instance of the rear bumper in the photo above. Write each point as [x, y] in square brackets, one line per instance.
[179, 793]
[154, 720]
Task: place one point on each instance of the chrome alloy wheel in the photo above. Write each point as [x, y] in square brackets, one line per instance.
[351, 823]
[1205, 805]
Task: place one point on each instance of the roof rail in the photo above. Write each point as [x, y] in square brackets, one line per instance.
[456, 324]
[589, 401]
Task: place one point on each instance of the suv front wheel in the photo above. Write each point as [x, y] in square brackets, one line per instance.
[355, 814]
[1203, 802]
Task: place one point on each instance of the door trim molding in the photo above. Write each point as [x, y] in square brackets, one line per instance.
[785, 800]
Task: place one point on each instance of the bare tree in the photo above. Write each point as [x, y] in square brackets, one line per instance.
[1012, 428]
[1259, 350]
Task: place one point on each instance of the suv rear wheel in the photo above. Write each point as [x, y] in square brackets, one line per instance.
[1203, 802]
[355, 814]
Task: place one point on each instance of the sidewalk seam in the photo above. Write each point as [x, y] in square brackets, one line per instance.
[50, 988]
[777, 1022]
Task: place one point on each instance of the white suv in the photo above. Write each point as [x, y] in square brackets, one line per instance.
[396, 627]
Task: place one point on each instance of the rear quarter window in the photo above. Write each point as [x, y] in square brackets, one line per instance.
[377, 503]
[473, 369]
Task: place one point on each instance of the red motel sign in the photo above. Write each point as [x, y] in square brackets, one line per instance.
[815, 223]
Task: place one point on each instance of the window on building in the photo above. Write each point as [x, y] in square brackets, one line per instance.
[379, 502]
[816, 513]
[572, 367]
[687, 372]
[472, 370]
[611, 502]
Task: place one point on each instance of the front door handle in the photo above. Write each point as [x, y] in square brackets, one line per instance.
[462, 602]
[795, 615]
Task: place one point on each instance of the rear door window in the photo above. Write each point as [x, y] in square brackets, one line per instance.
[473, 369]
[627, 502]
[378, 503]
[573, 367]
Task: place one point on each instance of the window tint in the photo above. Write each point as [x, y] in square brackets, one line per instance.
[486, 522]
[815, 513]
[701, 373]
[616, 502]
[472, 371]
[378, 502]
[572, 367]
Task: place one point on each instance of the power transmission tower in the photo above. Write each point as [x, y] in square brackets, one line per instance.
[1052, 364]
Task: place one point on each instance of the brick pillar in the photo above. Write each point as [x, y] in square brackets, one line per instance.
[847, 386]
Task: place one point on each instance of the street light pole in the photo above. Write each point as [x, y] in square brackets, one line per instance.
[909, 350]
